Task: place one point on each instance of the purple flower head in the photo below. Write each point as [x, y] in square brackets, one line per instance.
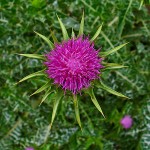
[73, 64]
[29, 148]
[126, 122]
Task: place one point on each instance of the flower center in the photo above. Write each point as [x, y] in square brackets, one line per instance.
[74, 65]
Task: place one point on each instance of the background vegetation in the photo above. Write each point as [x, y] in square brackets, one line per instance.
[23, 123]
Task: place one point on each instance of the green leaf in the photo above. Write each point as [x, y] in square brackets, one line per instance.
[56, 102]
[51, 45]
[108, 89]
[75, 100]
[48, 92]
[112, 66]
[115, 67]
[97, 33]
[94, 100]
[45, 86]
[54, 37]
[35, 74]
[104, 54]
[142, 1]
[81, 26]
[33, 56]
[64, 31]
[73, 34]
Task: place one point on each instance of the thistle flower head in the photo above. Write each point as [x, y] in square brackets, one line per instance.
[126, 122]
[29, 148]
[73, 64]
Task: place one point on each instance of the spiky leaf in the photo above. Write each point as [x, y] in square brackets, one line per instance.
[73, 34]
[54, 37]
[81, 25]
[94, 100]
[34, 56]
[44, 87]
[96, 34]
[64, 31]
[48, 92]
[56, 102]
[108, 89]
[51, 45]
[112, 66]
[104, 54]
[35, 74]
[75, 100]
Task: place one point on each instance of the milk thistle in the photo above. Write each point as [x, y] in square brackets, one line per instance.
[29, 148]
[126, 122]
[73, 66]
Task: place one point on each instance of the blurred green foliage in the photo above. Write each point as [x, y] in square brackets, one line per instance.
[23, 123]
